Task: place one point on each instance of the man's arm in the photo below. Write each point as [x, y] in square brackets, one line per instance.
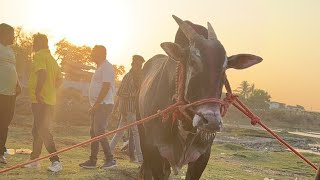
[103, 92]
[59, 79]
[116, 105]
[18, 88]
[124, 88]
[107, 78]
[58, 82]
[41, 78]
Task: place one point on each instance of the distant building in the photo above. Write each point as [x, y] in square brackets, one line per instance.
[295, 108]
[301, 107]
[276, 105]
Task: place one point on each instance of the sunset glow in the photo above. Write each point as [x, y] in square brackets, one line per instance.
[285, 33]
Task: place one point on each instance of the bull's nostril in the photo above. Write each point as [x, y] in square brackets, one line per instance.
[205, 121]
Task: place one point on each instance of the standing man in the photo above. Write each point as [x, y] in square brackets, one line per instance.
[128, 93]
[101, 94]
[45, 79]
[9, 84]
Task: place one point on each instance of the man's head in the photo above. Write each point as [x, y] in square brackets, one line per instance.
[98, 54]
[137, 62]
[40, 41]
[6, 34]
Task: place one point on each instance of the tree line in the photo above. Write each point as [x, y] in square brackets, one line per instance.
[75, 61]
[76, 65]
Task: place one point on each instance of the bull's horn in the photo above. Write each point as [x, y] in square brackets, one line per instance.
[211, 34]
[186, 28]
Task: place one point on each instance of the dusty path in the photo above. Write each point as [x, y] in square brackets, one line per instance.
[255, 137]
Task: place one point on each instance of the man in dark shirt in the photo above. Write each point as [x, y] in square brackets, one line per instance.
[128, 93]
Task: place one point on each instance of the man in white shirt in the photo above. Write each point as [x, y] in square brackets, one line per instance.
[9, 84]
[101, 94]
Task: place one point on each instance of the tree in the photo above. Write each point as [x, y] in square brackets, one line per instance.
[119, 70]
[259, 99]
[252, 88]
[66, 51]
[23, 50]
[244, 90]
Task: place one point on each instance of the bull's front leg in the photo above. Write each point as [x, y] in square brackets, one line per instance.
[154, 167]
[145, 172]
[195, 169]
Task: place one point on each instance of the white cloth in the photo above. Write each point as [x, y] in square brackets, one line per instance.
[8, 73]
[104, 73]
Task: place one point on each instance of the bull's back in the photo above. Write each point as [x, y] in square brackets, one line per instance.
[152, 71]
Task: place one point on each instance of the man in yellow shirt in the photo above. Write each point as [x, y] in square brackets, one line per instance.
[45, 78]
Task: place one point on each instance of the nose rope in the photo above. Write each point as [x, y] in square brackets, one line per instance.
[183, 106]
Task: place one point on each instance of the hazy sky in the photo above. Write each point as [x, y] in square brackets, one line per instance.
[285, 33]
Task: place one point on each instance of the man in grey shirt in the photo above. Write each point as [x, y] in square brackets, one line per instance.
[101, 94]
[9, 84]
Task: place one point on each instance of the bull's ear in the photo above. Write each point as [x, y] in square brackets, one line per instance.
[242, 61]
[174, 51]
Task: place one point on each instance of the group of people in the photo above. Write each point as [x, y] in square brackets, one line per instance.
[44, 81]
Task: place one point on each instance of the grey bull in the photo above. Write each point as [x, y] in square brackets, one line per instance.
[167, 145]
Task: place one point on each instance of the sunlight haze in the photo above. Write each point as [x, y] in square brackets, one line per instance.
[286, 34]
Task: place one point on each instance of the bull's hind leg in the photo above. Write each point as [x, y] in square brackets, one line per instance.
[195, 169]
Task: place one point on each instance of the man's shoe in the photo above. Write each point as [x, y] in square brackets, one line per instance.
[32, 165]
[3, 160]
[89, 164]
[56, 166]
[109, 164]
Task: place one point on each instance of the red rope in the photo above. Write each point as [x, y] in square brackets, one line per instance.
[169, 109]
[179, 110]
[256, 120]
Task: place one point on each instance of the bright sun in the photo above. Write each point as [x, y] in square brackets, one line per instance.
[83, 22]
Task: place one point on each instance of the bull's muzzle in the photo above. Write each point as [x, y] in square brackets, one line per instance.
[209, 121]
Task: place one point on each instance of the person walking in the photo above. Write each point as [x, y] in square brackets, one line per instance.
[101, 94]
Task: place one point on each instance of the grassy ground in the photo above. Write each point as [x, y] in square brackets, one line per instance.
[228, 160]
[237, 153]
